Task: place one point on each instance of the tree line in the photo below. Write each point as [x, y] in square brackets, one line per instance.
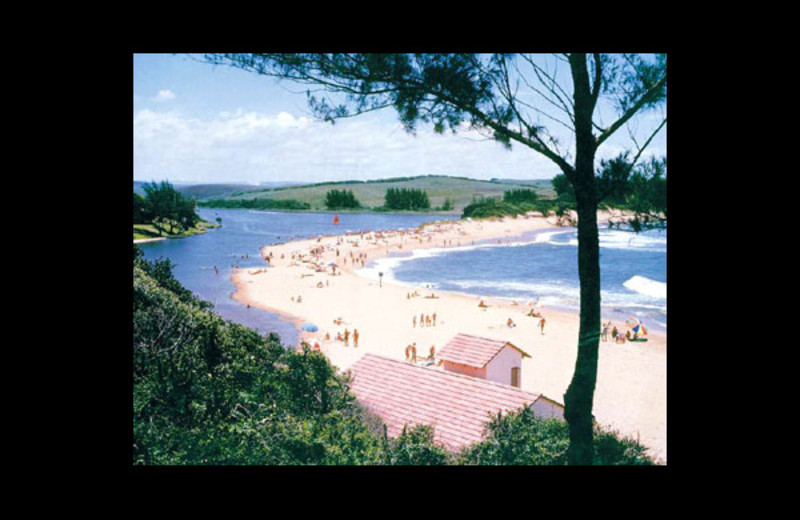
[165, 208]
[341, 199]
[406, 199]
[256, 203]
[208, 391]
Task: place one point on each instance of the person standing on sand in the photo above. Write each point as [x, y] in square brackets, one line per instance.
[434, 319]
[414, 321]
[604, 334]
[346, 337]
[414, 352]
[355, 338]
[541, 324]
[422, 320]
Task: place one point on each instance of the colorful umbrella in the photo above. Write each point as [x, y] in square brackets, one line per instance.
[636, 326]
[309, 327]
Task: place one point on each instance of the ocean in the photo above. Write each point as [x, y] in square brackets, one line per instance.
[540, 266]
[633, 271]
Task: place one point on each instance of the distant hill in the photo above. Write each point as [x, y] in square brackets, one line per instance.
[460, 190]
[206, 191]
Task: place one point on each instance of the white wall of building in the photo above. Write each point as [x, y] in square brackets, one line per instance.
[499, 368]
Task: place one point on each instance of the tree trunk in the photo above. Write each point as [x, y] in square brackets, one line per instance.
[579, 398]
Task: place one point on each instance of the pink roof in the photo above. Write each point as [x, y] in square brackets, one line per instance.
[473, 351]
[457, 406]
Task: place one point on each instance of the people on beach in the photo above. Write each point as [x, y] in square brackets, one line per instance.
[346, 337]
[434, 319]
[604, 333]
[615, 334]
[510, 323]
[427, 321]
[414, 321]
[421, 320]
[541, 324]
[414, 352]
[482, 304]
[355, 338]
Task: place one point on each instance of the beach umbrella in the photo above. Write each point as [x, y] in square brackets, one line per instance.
[309, 327]
[636, 326]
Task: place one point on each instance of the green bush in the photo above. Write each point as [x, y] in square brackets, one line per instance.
[521, 438]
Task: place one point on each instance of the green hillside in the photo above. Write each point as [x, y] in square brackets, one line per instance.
[461, 191]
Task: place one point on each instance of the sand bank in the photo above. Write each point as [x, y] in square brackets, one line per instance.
[631, 384]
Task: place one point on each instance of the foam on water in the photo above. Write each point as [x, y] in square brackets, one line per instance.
[507, 277]
[646, 286]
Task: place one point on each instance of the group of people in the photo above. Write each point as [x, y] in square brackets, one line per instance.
[411, 353]
[610, 332]
[345, 337]
[425, 320]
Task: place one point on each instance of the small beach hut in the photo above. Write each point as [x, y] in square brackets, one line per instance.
[456, 406]
[485, 358]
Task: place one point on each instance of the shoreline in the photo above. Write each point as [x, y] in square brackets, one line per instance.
[631, 390]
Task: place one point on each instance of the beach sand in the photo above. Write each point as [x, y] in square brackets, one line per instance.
[631, 392]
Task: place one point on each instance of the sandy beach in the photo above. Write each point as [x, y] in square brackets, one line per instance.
[631, 393]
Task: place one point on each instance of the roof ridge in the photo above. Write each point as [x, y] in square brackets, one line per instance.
[461, 377]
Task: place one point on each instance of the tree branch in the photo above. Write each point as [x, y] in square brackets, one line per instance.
[632, 110]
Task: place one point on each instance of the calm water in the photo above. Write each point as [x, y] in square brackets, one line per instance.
[238, 243]
[633, 272]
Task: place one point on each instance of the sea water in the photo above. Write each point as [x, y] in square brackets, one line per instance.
[544, 269]
[204, 263]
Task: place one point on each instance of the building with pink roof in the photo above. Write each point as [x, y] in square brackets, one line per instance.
[455, 405]
[494, 360]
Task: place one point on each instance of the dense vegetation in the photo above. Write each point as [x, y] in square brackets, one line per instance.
[406, 199]
[519, 195]
[164, 208]
[341, 199]
[641, 189]
[515, 202]
[255, 203]
[210, 391]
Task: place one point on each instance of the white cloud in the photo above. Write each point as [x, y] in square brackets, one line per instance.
[253, 147]
[164, 95]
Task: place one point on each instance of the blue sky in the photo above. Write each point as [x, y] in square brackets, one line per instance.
[194, 122]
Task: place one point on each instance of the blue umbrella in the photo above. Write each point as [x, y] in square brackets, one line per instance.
[309, 327]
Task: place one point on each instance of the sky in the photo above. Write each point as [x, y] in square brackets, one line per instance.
[198, 123]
